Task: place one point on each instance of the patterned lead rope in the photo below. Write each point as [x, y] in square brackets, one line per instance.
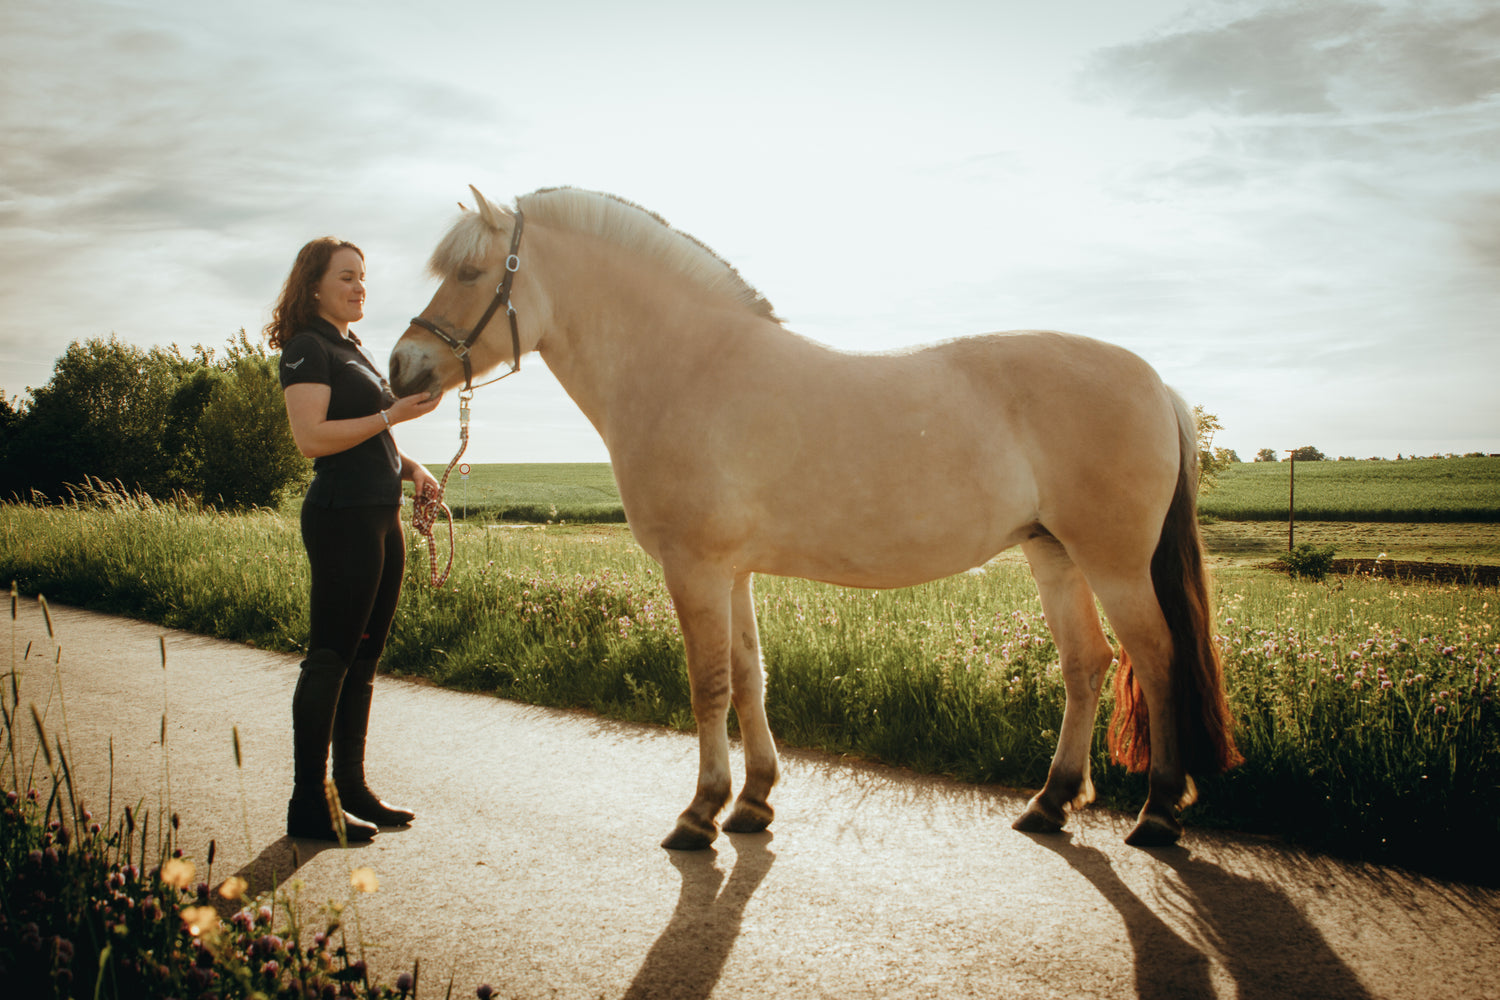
[424, 510]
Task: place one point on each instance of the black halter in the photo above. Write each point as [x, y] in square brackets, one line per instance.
[460, 348]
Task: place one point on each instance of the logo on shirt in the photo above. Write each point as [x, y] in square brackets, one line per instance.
[293, 364]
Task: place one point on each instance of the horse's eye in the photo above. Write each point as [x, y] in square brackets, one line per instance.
[467, 274]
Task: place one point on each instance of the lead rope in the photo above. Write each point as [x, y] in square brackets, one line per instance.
[425, 508]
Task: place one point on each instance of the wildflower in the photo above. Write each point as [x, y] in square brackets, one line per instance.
[404, 982]
[178, 873]
[234, 887]
[200, 920]
[485, 991]
[363, 879]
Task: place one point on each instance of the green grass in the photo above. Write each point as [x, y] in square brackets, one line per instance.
[1442, 490]
[534, 492]
[1236, 542]
[1416, 490]
[957, 677]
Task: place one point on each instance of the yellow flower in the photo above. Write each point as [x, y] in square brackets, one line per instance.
[364, 880]
[178, 873]
[234, 887]
[200, 920]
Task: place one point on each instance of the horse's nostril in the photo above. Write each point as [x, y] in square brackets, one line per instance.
[395, 369]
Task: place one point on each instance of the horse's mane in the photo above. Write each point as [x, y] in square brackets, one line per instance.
[617, 221]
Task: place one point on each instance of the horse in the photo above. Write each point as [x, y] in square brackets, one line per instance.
[740, 447]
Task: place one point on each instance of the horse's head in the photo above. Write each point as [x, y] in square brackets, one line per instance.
[471, 262]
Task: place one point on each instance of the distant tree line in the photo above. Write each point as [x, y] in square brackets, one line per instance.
[157, 421]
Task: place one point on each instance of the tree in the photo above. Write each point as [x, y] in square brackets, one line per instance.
[1307, 453]
[1211, 460]
[246, 454]
[99, 415]
[1266, 455]
[156, 421]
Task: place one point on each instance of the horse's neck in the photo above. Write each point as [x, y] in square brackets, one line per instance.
[619, 327]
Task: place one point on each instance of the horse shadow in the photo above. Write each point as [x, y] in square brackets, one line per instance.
[688, 957]
[1257, 934]
[277, 862]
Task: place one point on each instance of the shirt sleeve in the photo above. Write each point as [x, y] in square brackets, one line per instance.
[304, 360]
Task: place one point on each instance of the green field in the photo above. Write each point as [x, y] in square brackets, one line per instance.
[534, 492]
[1427, 489]
[1417, 490]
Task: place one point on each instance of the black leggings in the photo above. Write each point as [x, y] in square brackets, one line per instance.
[358, 556]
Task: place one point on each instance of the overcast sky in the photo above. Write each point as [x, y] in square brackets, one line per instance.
[1292, 210]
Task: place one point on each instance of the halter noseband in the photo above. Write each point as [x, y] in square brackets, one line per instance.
[460, 348]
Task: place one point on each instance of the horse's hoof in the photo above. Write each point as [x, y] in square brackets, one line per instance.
[1040, 817]
[749, 817]
[690, 837]
[1153, 829]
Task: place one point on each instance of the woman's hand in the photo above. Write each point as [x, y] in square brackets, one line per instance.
[423, 481]
[418, 404]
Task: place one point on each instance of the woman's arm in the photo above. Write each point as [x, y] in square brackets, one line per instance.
[316, 435]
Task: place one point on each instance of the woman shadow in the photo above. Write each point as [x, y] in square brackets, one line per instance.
[1254, 930]
[277, 862]
[688, 957]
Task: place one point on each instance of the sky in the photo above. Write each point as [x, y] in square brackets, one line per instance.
[1291, 210]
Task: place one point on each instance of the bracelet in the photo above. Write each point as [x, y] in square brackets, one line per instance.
[386, 419]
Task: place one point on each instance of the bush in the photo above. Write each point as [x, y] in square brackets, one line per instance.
[156, 421]
[1308, 561]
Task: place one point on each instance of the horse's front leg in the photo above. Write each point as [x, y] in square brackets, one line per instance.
[703, 610]
[752, 810]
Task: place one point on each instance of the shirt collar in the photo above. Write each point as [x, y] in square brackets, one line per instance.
[321, 326]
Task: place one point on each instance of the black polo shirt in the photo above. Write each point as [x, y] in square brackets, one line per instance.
[369, 474]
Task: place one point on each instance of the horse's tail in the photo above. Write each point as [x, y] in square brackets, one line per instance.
[1204, 722]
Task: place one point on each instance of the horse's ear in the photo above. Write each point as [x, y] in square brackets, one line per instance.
[487, 211]
[462, 207]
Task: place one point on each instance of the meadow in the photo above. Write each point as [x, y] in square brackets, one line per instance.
[1412, 490]
[1366, 708]
[1430, 490]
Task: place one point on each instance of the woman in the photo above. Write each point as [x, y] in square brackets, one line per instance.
[341, 411]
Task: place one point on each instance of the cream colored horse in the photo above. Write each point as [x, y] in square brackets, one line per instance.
[741, 448]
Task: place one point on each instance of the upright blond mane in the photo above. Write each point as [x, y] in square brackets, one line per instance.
[620, 222]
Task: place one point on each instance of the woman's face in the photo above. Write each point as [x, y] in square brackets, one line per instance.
[341, 293]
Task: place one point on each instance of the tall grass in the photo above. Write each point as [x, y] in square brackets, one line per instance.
[1366, 707]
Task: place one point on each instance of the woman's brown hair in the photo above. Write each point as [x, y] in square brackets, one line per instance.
[297, 307]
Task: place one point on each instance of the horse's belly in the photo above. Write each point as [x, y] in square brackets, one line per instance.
[899, 552]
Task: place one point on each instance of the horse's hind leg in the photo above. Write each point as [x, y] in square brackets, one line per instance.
[703, 609]
[1085, 654]
[752, 810]
[1133, 610]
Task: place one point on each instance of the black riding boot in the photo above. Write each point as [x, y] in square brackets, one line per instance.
[350, 725]
[313, 707]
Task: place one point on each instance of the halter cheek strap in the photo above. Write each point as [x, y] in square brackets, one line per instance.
[460, 348]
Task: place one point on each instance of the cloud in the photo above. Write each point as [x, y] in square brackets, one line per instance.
[1307, 59]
